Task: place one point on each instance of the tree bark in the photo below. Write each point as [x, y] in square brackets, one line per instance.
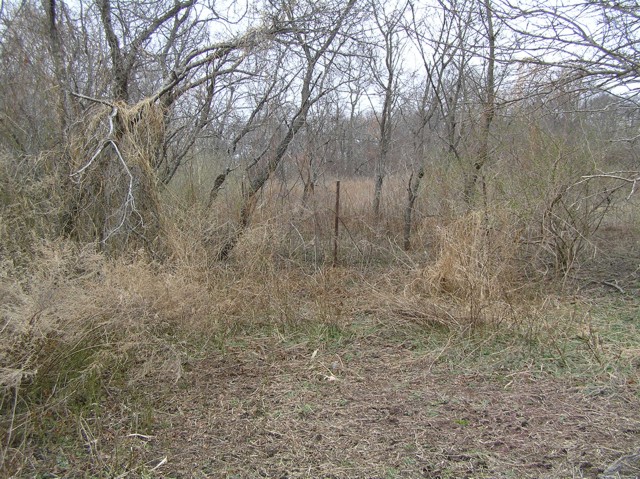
[388, 28]
[120, 74]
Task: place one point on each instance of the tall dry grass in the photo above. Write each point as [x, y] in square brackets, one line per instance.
[77, 325]
[29, 206]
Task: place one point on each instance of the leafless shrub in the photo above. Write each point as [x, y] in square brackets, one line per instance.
[571, 219]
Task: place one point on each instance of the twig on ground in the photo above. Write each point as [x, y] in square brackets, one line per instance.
[613, 284]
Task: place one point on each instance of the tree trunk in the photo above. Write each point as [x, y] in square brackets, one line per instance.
[309, 186]
[58, 62]
[412, 195]
[257, 183]
[377, 195]
[120, 73]
[488, 111]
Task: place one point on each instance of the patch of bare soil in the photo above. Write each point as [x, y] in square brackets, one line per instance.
[615, 266]
[369, 409]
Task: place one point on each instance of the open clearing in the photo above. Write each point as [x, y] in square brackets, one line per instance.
[372, 398]
[374, 408]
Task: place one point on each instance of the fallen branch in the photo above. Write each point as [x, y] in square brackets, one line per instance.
[613, 284]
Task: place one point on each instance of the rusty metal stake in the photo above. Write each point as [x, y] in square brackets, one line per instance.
[336, 223]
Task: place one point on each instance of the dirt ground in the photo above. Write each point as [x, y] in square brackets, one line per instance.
[370, 409]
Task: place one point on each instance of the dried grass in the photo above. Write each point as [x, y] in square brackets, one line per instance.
[476, 257]
[77, 323]
[29, 207]
[472, 279]
[110, 191]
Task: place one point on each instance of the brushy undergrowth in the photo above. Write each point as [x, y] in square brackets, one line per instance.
[82, 333]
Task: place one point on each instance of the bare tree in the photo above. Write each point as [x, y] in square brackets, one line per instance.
[488, 102]
[57, 54]
[185, 74]
[263, 89]
[583, 53]
[126, 52]
[594, 39]
[386, 78]
[30, 116]
[317, 36]
[434, 102]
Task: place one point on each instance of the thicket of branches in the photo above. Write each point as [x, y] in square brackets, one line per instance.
[470, 105]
